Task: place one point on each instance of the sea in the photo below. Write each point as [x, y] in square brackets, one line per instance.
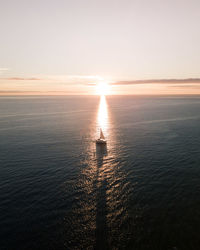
[59, 190]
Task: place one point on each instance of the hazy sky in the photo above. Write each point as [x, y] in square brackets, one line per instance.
[62, 44]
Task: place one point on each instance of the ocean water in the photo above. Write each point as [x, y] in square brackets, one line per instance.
[59, 191]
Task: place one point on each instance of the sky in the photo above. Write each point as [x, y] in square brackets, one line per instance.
[70, 46]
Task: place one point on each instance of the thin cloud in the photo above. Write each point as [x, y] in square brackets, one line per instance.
[4, 69]
[157, 81]
[94, 79]
[37, 92]
[62, 79]
[196, 86]
[20, 79]
[19, 91]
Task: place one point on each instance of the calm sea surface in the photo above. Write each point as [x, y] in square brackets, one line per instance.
[59, 191]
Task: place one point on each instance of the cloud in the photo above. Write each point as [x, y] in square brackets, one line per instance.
[196, 86]
[20, 79]
[86, 77]
[18, 91]
[2, 70]
[157, 81]
[62, 79]
[92, 80]
[38, 92]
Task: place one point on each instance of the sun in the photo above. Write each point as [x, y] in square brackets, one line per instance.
[102, 88]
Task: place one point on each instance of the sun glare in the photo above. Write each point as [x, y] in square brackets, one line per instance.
[102, 88]
[103, 114]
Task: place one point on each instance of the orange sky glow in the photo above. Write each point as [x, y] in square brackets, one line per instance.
[95, 85]
[99, 47]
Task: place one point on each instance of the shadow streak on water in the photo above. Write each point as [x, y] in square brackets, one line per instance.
[101, 209]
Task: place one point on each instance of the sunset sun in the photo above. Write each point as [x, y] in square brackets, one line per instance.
[102, 88]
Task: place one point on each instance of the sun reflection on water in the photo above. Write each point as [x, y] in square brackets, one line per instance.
[102, 116]
[101, 185]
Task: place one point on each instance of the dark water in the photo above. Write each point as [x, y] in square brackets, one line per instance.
[58, 191]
